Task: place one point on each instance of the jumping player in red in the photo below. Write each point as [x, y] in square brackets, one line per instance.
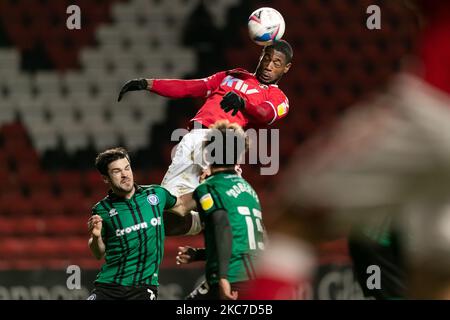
[248, 99]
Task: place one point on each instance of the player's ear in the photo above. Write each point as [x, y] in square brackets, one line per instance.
[105, 179]
[287, 67]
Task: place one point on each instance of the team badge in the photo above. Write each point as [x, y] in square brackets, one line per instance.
[206, 202]
[153, 199]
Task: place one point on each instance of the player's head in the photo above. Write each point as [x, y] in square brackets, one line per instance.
[115, 167]
[274, 62]
[225, 145]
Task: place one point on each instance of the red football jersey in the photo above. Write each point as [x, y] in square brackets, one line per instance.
[264, 103]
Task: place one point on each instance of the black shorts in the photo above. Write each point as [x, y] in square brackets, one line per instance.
[205, 291]
[111, 291]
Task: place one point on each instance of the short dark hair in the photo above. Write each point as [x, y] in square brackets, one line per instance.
[106, 157]
[284, 47]
[234, 143]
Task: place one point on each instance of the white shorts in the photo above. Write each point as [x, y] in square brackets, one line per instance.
[187, 164]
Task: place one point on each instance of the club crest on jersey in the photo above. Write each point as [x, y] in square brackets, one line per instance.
[112, 212]
[153, 199]
[206, 202]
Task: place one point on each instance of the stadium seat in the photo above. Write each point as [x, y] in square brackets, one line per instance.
[46, 247]
[15, 205]
[30, 226]
[33, 179]
[8, 226]
[75, 203]
[12, 247]
[76, 247]
[46, 204]
[69, 180]
[66, 225]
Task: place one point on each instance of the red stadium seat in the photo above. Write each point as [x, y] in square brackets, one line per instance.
[69, 180]
[15, 204]
[77, 247]
[76, 203]
[8, 226]
[12, 247]
[46, 204]
[34, 180]
[10, 184]
[47, 247]
[94, 181]
[30, 226]
[14, 130]
[66, 225]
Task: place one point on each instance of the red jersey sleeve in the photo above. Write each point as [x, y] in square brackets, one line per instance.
[274, 108]
[195, 88]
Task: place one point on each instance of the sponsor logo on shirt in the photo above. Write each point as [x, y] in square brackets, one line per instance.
[238, 85]
[136, 227]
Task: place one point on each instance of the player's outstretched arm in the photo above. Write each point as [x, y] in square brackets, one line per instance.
[135, 85]
[175, 88]
[175, 225]
[185, 203]
[96, 243]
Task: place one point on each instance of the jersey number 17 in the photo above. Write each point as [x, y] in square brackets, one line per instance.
[245, 211]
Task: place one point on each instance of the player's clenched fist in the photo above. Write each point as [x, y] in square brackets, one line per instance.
[232, 102]
[95, 225]
[188, 254]
[133, 85]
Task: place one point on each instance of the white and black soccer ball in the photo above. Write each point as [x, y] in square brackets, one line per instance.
[266, 25]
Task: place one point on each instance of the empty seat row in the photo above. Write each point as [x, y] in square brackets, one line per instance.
[32, 226]
[41, 246]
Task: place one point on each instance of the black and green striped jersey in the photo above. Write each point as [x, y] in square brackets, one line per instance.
[133, 233]
[228, 191]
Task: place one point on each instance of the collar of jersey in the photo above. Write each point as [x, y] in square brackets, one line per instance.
[231, 171]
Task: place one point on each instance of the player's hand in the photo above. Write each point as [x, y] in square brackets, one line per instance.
[95, 225]
[232, 102]
[225, 290]
[185, 255]
[238, 170]
[205, 174]
[133, 85]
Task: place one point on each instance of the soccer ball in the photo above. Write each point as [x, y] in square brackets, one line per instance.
[265, 25]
